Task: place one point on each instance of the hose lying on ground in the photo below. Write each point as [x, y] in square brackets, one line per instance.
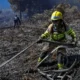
[4, 63]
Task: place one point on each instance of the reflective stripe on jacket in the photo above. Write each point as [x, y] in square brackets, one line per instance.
[58, 36]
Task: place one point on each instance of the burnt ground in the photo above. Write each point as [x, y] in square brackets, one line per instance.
[13, 41]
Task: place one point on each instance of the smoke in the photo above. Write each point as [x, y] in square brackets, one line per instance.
[37, 6]
[71, 2]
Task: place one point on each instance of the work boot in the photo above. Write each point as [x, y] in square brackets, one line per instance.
[42, 55]
[60, 66]
[39, 59]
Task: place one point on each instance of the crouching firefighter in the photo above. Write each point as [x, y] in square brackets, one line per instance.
[56, 32]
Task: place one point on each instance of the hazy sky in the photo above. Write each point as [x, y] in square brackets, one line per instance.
[4, 4]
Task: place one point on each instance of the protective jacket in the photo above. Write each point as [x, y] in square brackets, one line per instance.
[58, 33]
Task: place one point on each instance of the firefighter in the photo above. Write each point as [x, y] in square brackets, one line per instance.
[17, 21]
[56, 31]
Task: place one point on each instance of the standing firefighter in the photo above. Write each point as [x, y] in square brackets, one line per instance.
[56, 32]
[17, 21]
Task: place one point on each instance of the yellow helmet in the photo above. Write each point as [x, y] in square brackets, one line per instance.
[56, 15]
